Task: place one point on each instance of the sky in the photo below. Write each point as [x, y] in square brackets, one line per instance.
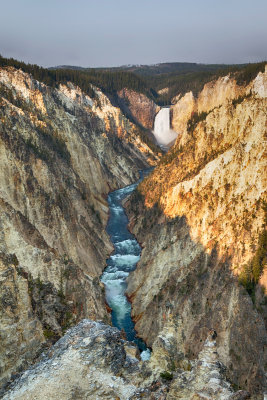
[96, 33]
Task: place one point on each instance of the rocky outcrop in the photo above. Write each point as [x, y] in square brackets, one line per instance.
[92, 361]
[88, 362]
[21, 330]
[142, 109]
[182, 111]
[205, 378]
[61, 152]
[199, 217]
[213, 95]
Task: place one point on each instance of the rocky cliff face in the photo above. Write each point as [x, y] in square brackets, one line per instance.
[199, 217]
[61, 152]
[92, 361]
[139, 106]
[213, 95]
[21, 330]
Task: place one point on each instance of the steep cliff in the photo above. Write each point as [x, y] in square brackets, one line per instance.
[61, 152]
[200, 219]
[92, 361]
[142, 109]
[214, 94]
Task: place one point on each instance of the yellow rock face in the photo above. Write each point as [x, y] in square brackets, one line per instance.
[213, 95]
[219, 176]
[199, 226]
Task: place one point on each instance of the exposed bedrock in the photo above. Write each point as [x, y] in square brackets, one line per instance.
[61, 152]
[142, 109]
[179, 292]
[92, 361]
[201, 219]
[214, 94]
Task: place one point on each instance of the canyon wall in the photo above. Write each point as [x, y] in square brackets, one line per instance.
[201, 219]
[61, 152]
[142, 109]
[214, 94]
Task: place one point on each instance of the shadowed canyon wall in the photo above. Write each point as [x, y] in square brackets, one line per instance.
[199, 217]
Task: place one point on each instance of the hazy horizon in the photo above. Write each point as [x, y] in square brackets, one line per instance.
[102, 33]
[153, 64]
[135, 65]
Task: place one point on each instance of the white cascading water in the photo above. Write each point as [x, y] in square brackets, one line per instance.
[162, 132]
[123, 260]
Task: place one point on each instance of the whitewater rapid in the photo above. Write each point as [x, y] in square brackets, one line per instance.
[122, 261]
[162, 130]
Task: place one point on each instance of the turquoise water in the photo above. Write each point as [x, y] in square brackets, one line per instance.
[122, 261]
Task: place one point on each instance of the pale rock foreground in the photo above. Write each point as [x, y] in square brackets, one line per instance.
[92, 361]
[86, 363]
[205, 380]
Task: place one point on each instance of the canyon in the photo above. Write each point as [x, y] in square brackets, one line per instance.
[199, 218]
[61, 153]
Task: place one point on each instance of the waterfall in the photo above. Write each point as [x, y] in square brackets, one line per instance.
[162, 132]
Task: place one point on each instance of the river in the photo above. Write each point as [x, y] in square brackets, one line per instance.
[122, 261]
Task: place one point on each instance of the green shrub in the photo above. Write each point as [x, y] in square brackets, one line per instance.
[194, 120]
[49, 334]
[251, 272]
[168, 376]
[41, 153]
[14, 260]
[171, 155]
[249, 72]
[54, 141]
[39, 283]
